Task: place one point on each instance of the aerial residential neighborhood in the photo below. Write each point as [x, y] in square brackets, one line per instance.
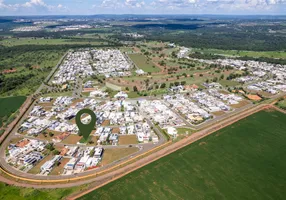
[120, 120]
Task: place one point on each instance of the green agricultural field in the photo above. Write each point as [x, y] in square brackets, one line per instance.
[8, 106]
[242, 161]
[142, 62]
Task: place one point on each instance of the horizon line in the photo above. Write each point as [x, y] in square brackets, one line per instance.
[27, 15]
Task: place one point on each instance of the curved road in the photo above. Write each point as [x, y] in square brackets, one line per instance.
[103, 179]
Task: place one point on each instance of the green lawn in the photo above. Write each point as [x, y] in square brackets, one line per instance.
[142, 62]
[9, 105]
[242, 161]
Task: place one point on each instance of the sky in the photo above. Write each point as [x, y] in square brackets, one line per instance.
[91, 7]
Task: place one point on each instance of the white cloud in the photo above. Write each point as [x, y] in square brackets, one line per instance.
[108, 4]
[134, 3]
[176, 4]
[32, 5]
[220, 6]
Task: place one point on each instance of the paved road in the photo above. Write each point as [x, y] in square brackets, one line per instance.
[150, 158]
[146, 148]
[210, 127]
[48, 78]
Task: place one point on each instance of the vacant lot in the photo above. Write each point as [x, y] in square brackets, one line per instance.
[9, 105]
[37, 168]
[142, 62]
[111, 155]
[127, 139]
[58, 170]
[72, 139]
[242, 161]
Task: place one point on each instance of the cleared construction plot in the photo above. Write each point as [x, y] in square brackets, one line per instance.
[242, 161]
[127, 139]
[111, 155]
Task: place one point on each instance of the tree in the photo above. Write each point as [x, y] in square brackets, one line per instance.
[51, 134]
[163, 85]
[28, 66]
[56, 152]
[135, 89]
[50, 146]
[91, 154]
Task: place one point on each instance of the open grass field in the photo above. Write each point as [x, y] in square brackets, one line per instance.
[12, 192]
[268, 54]
[184, 131]
[282, 104]
[142, 62]
[243, 161]
[10, 105]
[227, 83]
[39, 41]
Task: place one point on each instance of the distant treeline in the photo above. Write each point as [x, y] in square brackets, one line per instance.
[8, 51]
[169, 26]
[59, 34]
[209, 56]
[226, 41]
